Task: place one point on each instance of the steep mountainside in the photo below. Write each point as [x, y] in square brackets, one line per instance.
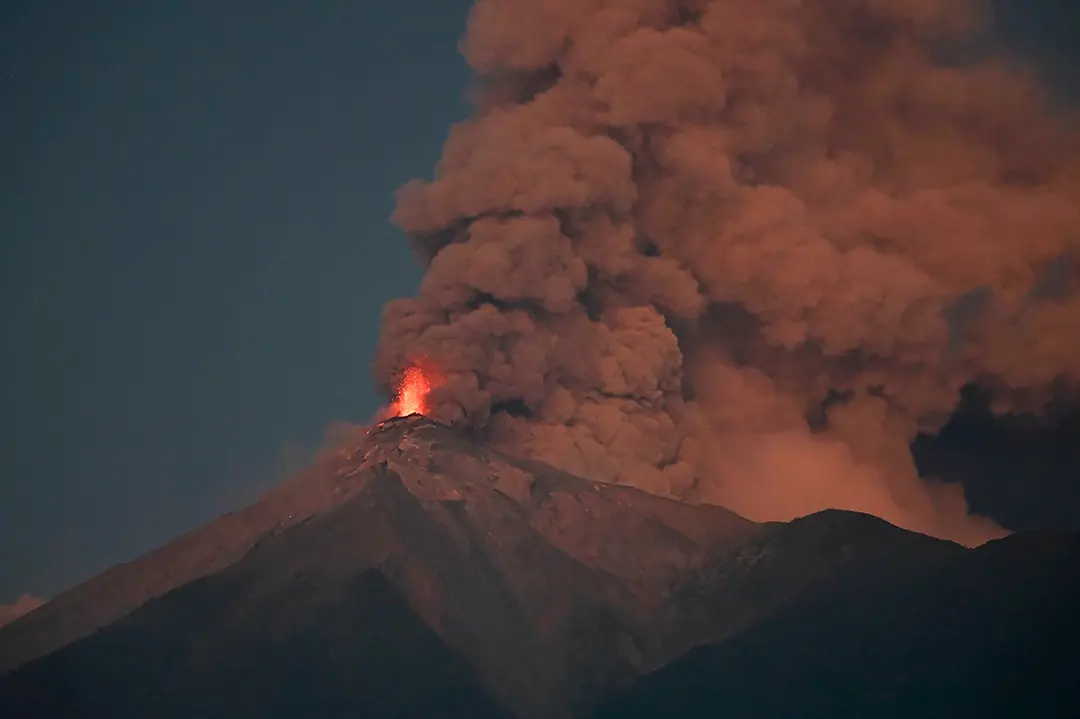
[543, 581]
[241, 646]
[486, 583]
[117, 591]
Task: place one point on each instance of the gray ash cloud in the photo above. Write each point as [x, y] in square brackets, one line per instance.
[741, 253]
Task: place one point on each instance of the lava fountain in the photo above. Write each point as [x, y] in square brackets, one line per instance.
[412, 394]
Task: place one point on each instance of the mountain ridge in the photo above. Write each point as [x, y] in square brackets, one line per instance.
[429, 508]
[987, 633]
[546, 591]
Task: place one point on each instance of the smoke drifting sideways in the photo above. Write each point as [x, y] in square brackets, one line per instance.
[742, 253]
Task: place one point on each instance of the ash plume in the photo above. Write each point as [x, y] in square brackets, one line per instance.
[742, 253]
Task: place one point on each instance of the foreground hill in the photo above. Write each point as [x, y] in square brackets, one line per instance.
[991, 633]
[425, 570]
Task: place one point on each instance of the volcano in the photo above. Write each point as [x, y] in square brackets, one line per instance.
[421, 573]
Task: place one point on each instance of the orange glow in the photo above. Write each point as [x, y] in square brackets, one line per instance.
[412, 393]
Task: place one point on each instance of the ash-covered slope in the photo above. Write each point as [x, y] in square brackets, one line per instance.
[545, 589]
[117, 591]
[331, 481]
[239, 644]
[544, 582]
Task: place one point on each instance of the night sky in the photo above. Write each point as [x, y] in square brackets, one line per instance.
[195, 246]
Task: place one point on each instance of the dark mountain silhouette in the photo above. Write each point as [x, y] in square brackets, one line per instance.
[426, 575]
[990, 633]
[238, 646]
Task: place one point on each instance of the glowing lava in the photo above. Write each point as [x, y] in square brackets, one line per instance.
[412, 393]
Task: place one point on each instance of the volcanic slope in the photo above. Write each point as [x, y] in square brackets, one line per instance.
[993, 632]
[546, 590]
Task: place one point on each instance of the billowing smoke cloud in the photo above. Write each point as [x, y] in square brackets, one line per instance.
[23, 605]
[743, 252]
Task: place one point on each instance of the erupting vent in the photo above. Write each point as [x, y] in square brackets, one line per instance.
[412, 393]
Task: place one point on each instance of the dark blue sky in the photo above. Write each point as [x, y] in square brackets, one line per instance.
[195, 246]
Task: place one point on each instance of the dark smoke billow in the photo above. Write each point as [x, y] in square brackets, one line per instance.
[741, 253]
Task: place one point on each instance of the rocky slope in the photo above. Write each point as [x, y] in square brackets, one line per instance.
[509, 586]
[543, 581]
